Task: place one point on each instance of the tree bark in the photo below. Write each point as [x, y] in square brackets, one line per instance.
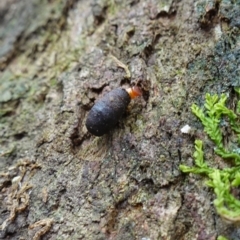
[57, 58]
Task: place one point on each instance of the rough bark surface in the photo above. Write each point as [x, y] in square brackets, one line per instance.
[56, 58]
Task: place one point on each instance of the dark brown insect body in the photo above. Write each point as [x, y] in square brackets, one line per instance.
[107, 111]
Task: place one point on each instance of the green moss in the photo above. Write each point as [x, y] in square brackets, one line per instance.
[221, 238]
[223, 181]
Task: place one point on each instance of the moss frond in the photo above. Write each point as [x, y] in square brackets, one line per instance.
[221, 180]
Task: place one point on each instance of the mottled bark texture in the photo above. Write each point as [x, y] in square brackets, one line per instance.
[57, 181]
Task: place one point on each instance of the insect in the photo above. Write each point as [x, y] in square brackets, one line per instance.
[106, 112]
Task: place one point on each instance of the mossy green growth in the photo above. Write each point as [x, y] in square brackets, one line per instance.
[221, 238]
[223, 181]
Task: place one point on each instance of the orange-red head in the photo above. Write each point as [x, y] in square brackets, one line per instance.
[134, 92]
